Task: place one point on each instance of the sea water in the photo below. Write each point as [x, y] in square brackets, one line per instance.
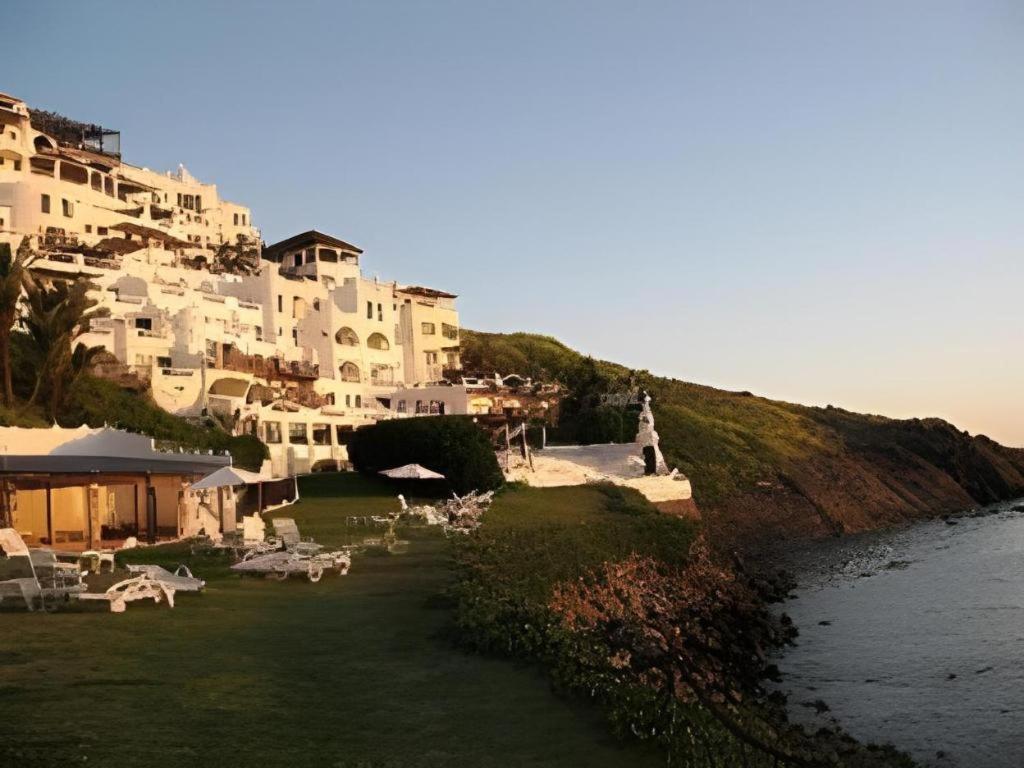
[916, 637]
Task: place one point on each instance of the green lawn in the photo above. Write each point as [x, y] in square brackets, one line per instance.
[352, 671]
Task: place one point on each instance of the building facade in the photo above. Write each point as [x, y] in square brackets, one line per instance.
[289, 342]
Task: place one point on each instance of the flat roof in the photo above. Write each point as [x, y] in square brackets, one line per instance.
[430, 293]
[304, 239]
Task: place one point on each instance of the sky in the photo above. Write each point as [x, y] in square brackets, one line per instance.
[820, 202]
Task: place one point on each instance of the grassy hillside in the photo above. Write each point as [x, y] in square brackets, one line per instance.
[765, 468]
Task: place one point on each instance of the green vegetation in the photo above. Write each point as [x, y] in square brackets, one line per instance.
[45, 379]
[354, 671]
[451, 445]
[831, 468]
[621, 605]
[97, 402]
[14, 278]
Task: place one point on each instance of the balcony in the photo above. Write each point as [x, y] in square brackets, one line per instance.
[297, 369]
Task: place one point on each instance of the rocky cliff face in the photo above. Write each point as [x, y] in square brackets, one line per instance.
[764, 470]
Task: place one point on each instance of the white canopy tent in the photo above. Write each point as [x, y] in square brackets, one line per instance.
[412, 472]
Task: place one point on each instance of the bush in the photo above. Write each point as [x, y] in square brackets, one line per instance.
[451, 445]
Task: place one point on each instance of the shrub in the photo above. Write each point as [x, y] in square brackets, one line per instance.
[451, 445]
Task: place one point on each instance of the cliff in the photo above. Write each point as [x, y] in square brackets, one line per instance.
[764, 469]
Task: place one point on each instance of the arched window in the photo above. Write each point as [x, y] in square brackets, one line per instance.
[346, 337]
[349, 372]
[378, 341]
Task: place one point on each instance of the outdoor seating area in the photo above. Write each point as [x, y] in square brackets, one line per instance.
[44, 579]
[39, 580]
[459, 514]
[288, 554]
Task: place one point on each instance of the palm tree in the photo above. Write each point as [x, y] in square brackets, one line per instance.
[240, 258]
[57, 315]
[15, 277]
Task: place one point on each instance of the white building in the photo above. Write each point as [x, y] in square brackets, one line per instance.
[290, 343]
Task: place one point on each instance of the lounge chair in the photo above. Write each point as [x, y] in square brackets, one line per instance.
[182, 579]
[281, 565]
[35, 577]
[141, 587]
[288, 532]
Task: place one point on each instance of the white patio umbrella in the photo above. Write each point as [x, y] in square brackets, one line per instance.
[412, 472]
[229, 476]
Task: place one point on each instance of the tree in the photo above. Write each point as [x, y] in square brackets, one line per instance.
[451, 445]
[15, 276]
[57, 315]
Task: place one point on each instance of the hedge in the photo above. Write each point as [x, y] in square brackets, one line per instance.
[451, 445]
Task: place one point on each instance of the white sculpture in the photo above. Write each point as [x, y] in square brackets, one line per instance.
[647, 438]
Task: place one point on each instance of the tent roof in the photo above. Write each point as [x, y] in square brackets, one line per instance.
[84, 450]
[230, 476]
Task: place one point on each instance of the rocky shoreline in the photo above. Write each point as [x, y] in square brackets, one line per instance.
[816, 565]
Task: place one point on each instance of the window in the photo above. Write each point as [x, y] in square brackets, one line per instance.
[45, 200]
[346, 337]
[17, 165]
[280, 303]
[101, 230]
[431, 358]
[349, 372]
[378, 341]
[67, 207]
[163, 362]
[427, 329]
[259, 332]
[243, 220]
[96, 181]
[316, 305]
[321, 434]
[199, 203]
[369, 310]
[272, 432]
[449, 331]
[88, 229]
[359, 401]
[326, 254]
[108, 187]
[297, 434]
[236, 219]
[348, 401]
[401, 406]
[380, 313]
[143, 359]
[146, 323]
[295, 336]
[344, 433]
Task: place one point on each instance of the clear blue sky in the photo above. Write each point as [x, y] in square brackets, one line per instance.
[821, 201]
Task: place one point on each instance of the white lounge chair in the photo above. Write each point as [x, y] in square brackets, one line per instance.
[35, 577]
[281, 565]
[141, 587]
[288, 532]
[182, 579]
